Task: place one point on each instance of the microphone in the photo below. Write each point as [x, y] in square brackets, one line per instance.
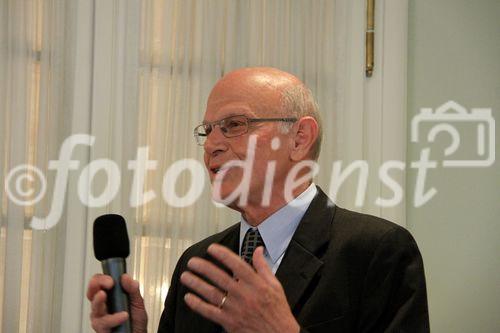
[111, 247]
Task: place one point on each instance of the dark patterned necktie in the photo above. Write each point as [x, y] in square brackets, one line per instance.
[251, 241]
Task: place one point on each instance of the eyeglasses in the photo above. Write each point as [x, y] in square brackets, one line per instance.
[231, 126]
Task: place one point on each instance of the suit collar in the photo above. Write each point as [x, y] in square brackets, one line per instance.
[302, 259]
[313, 231]
[277, 229]
[230, 238]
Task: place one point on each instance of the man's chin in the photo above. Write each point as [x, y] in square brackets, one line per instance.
[226, 197]
[223, 198]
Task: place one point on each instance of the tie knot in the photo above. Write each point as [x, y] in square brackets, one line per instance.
[251, 241]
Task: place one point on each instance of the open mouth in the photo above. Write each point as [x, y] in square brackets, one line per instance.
[217, 170]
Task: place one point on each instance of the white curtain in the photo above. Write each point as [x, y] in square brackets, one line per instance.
[35, 92]
[137, 74]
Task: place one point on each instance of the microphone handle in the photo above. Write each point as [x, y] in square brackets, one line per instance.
[117, 298]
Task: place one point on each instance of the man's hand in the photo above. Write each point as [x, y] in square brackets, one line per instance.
[249, 301]
[102, 322]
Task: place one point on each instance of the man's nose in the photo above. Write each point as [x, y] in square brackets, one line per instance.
[215, 141]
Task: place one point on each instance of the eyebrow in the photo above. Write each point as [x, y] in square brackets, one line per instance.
[230, 114]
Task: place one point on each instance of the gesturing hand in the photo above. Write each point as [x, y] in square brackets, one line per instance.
[102, 322]
[249, 301]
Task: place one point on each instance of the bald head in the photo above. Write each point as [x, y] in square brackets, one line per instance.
[268, 76]
[270, 92]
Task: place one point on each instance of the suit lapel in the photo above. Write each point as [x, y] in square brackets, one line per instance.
[302, 259]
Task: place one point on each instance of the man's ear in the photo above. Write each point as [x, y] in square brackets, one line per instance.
[305, 133]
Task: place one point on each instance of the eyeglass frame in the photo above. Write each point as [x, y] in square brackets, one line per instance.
[248, 119]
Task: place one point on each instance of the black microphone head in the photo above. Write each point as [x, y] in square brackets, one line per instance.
[110, 237]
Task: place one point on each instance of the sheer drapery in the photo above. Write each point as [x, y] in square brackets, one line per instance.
[137, 74]
[35, 91]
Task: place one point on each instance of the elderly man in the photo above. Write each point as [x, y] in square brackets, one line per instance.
[295, 262]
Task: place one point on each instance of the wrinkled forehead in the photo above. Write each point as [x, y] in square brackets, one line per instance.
[242, 98]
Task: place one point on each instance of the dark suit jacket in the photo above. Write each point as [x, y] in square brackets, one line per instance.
[342, 272]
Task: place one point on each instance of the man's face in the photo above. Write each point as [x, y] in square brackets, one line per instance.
[251, 98]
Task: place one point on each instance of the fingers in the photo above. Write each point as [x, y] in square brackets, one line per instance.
[131, 286]
[231, 260]
[98, 282]
[105, 323]
[207, 269]
[98, 305]
[261, 266]
[209, 292]
[207, 310]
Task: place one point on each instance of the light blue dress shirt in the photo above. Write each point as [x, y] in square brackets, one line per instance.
[277, 230]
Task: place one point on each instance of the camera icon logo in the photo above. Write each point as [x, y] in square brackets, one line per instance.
[447, 119]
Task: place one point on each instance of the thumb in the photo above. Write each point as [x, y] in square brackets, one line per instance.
[131, 286]
[261, 266]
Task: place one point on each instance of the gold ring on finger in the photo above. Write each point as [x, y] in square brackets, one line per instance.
[223, 301]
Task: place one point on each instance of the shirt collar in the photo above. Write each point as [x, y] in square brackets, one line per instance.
[277, 230]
